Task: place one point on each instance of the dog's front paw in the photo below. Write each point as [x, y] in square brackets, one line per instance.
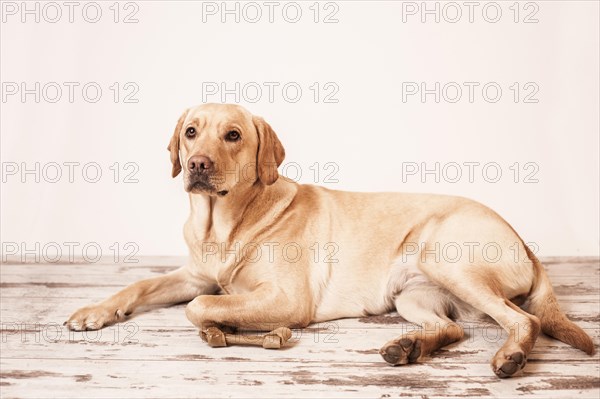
[93, 317]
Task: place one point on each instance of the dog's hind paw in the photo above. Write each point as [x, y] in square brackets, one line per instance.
[402, 351]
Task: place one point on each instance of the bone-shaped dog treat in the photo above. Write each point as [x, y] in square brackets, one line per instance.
[277, 338]
[272, 340]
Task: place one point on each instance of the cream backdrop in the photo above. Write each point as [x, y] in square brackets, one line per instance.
[342, 86]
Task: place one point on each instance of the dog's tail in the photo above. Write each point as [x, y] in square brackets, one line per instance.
[544, 305]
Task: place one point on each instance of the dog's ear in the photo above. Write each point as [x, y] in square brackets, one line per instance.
[174, 146]
[270, 152]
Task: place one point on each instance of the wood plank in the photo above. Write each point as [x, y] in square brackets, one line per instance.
[158, 353]
[201, 378]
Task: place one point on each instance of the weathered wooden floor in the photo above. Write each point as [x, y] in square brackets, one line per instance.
[159, 354]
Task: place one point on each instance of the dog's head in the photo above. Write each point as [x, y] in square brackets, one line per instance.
[221, 146]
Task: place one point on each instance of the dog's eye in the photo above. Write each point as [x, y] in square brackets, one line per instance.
[232, 136]
[190, 132]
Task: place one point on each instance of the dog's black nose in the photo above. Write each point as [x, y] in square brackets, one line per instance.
[199, 163]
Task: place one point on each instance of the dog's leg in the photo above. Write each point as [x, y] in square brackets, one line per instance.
[427, 307]
[483, 294]
[177, 286]
[266, 308]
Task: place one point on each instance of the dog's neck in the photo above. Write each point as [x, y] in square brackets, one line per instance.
[226, 224]
[221, 217]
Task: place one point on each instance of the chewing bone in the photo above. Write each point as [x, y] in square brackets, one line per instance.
[272, 340]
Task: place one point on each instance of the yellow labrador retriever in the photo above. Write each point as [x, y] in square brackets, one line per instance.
[266, 252]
